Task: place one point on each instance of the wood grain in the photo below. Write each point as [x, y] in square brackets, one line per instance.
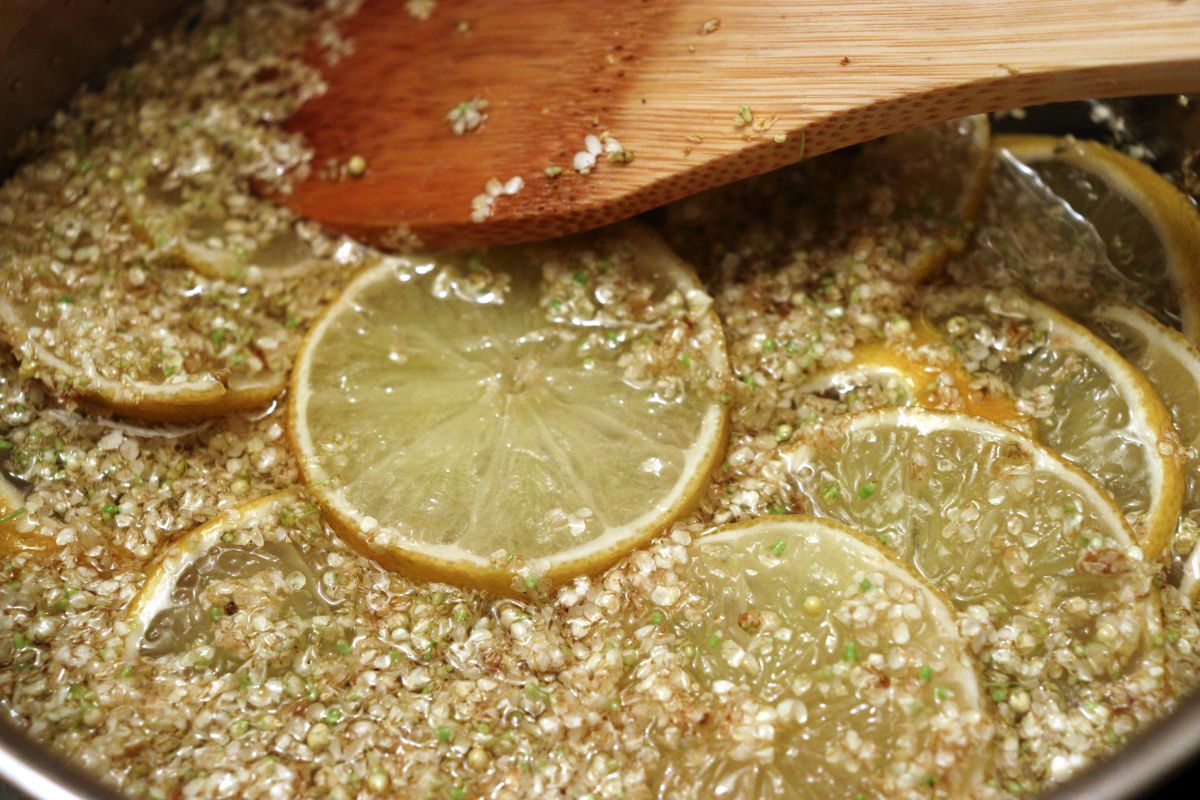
[830, 74]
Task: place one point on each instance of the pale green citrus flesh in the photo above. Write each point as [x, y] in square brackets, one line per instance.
[850, 660]
[244, 582]
[1172, 365]
[1089, 404]
[1000, 524]
[503, 416]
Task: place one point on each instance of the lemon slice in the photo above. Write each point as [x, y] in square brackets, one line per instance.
[508, 420]
[1029, 237]
[207, 231]
[1189, 583]
[927, 483]
[208, 221]
[1054, 593]
[936, 180]
[920, 369]
[1151, 231]
[1091, 406]
[835, 670]
[242, 583]
[153, 347]
[1172, 366]
[907, 201]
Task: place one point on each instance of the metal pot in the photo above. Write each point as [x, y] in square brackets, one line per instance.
[47, 49]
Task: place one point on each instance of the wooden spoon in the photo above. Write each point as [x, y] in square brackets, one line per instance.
[696, 92]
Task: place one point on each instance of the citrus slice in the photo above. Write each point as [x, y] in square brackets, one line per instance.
[1091, 406]
[927, 483]
[921, 370]
[155, 347]
[834, 669]
[13, 540]
[1029, 237]
[1189, 583]
[280, 257]
[1151, 231]
[935, 179]
[904, 203]
[507, 420]
[243, 583]
[1172, 366]
[1055, 596]
[223, 234]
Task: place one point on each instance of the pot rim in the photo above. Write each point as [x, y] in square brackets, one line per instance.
[1146, 762]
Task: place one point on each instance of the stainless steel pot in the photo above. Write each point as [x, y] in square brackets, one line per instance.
[47, 49]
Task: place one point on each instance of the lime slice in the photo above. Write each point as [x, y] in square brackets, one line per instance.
[1150, 230]
[508, 420]
[242, 584]
[1090, 405]
[828, 667]
[906, 199]
[1172, 366]
[1054, 594]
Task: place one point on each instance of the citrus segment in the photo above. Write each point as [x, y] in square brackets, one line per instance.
[1090, 405]
[1151, 231]
[832, 668]
[244, 583]
[509, 419]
